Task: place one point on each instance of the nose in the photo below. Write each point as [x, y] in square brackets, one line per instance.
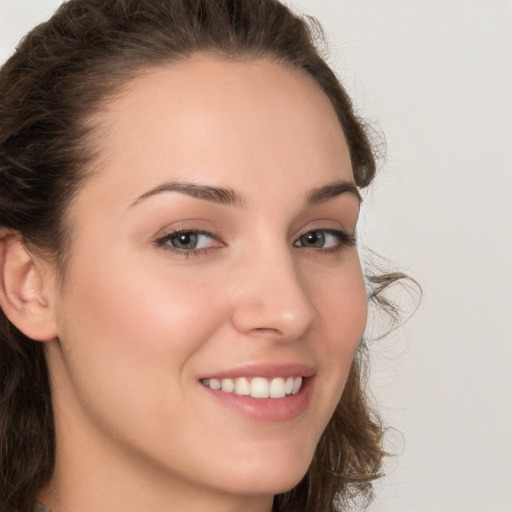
[271, 298]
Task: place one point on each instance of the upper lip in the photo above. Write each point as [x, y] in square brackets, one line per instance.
[265, 370]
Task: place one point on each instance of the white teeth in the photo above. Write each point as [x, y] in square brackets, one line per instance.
[257, 387]
[277, 388]
[228, 386]
[242, 386]
[288, 386]
[297, 383]
[215, 383]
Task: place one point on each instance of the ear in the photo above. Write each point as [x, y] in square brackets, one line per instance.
[26, 288]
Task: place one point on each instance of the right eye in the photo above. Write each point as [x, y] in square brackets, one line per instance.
[188, 241]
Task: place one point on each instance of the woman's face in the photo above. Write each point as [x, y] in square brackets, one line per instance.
[213, 246]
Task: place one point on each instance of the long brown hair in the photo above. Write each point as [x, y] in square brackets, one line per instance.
[60, 74]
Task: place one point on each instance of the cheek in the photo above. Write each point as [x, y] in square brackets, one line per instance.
[144, 305]
[341, 300]
[128, 330]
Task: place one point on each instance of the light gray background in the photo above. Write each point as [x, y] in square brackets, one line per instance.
[436, 77]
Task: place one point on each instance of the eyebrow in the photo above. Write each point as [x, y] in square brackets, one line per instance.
[218, 195]
[228, 196]
[332, 190]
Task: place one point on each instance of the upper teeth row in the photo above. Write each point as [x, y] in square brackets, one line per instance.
[257, 387]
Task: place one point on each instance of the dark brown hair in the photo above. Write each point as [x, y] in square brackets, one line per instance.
[59, 76]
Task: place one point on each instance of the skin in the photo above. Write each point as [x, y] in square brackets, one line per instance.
[138, 324]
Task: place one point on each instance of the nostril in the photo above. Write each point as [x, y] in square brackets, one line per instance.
[265, 331]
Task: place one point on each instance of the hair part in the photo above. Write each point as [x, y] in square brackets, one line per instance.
[61, 74]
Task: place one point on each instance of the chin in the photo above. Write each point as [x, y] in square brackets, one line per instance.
[269, 484]
[274, 475]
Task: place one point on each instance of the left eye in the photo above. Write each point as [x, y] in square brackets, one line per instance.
[188, 240]
[324, 239]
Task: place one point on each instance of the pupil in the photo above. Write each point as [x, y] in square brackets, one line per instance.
[185, 241]
[314, 239]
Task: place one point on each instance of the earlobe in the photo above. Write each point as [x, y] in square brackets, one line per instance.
[25, 295]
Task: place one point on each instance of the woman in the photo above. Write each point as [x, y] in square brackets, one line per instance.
[183, 303]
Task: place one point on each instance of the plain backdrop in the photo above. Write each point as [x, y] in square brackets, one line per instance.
[435, 77]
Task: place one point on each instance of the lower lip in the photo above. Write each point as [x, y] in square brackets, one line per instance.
[269, 410]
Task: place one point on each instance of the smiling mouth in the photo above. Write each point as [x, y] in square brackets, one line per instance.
[257, 387]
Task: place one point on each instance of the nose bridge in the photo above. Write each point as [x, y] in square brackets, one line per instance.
[272, 296]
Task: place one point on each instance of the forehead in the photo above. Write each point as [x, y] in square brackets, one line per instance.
[218, 122]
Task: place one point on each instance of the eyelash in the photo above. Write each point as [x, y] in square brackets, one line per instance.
[164, 241]
[343, 240]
